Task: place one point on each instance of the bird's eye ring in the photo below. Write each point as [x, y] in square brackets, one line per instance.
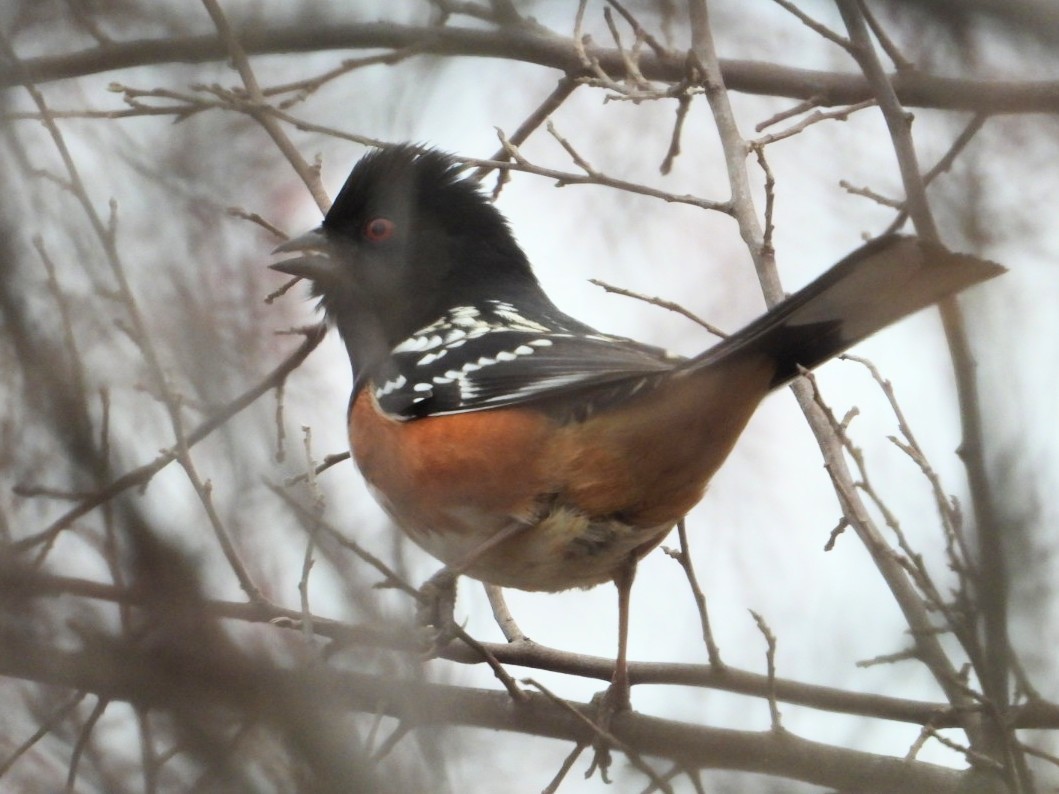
[378, 230]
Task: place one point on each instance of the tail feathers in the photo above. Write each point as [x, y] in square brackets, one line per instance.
[875, 286]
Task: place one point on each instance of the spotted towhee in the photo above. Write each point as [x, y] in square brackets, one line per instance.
[519, 445]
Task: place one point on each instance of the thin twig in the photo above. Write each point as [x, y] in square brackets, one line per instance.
[973, 757]
[309, 175]
[204, 490]
[502, 675]
[562, 91]
[47, 725]
[992, 582]
[565, 767]
[391, 579]
[603, 734]
[629, 59]
[318, 510]
[683, 106]
[770, 662]
[83, 737]
[770, 201]
[396, 735]
[660, 303]
[817, 27]
[944, 163]
[802, 107]
[329, 460]
[307, 87]
[593, 177]
[659, 49]
[912, 562]
[887, 658]
[832, 537]
[139, 477]
[683, 557]
[253, 217]
[959, 553]
[817, 116]
[901, 64]
[504, 619]
[868, 193]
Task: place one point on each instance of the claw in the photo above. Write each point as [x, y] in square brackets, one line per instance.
[606, 705]
[437, 604]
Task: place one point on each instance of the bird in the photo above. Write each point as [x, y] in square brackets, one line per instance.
[518, 445]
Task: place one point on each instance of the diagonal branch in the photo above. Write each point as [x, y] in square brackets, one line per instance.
[993, 576]
[142, 475]
[928, 645]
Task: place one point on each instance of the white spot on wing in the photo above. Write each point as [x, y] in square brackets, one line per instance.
[390, 386]
[515, 321]
[420, 353]
[430, 358]
[418, 342]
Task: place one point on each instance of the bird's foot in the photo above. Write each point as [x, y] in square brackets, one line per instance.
[435, 614]
[613, 701]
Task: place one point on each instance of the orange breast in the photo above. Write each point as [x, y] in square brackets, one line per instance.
[586, 494]
[483, 462]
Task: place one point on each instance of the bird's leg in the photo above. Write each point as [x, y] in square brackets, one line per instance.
[616, 698]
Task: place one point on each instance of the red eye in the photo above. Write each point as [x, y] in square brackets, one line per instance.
[379, 229]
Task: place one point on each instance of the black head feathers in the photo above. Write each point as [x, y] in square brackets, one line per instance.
[408, 239]
[417, 180]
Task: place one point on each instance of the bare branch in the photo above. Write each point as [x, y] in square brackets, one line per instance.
[770, 661]
[915, 89]
[308, 174]
[142, 475]
[662, 304]
[1039, 714]
[128, 674]
[993, 581]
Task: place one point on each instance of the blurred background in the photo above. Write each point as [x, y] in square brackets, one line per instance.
[139, 181]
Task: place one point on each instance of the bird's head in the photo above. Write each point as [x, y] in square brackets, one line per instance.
[406, 240]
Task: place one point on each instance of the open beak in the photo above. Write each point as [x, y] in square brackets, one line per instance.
[314, 262]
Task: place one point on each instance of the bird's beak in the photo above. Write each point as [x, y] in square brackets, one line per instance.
[314, 262]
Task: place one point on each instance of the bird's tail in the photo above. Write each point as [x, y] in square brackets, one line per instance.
[878, 284]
